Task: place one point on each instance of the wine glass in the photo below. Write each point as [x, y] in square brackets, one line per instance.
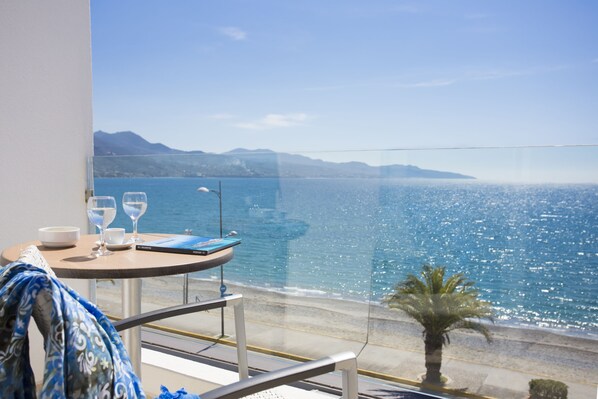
[135, 204]
[101, 211]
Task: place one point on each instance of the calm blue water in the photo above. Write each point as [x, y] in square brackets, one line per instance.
[532, 249]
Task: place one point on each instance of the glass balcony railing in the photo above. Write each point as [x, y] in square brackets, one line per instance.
[324, 244]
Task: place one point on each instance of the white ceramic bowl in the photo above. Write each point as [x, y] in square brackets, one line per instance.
[59, 236]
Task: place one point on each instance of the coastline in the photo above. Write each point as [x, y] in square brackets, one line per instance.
[319, 294]
[317, 326]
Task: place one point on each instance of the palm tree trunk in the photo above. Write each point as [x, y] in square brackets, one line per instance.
[433, 347]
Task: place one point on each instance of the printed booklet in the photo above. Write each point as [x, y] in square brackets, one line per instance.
[185, 244]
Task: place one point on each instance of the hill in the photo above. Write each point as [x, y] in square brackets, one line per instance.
[126, 154]
[127, 143]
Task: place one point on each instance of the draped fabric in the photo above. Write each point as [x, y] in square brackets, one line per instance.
[85, 357]
[180, 394]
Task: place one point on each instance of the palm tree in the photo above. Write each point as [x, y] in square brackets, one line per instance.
[440, 307]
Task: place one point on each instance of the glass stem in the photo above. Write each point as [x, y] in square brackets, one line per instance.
[102, 241]
[134, 229]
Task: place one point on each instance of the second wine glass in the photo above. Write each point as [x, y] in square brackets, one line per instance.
[134, 205]
[101, 211]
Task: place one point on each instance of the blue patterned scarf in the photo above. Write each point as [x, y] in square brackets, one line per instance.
[85, 357]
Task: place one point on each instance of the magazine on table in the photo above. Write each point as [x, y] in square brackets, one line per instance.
[186, 244]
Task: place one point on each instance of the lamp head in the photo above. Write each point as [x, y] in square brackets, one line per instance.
[203, 190]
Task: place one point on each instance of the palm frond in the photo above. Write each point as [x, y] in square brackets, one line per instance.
[440, 305]
[474, 326]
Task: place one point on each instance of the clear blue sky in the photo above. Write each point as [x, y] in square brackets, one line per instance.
[327, 77]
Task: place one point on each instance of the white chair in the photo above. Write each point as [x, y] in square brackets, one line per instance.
[345, 362]
[48, 304]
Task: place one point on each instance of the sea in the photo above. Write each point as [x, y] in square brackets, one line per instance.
[531, 249]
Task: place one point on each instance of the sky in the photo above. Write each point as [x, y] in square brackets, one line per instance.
[378, 81]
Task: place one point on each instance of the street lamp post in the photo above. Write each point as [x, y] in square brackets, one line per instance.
[219, 194]
[222, 286]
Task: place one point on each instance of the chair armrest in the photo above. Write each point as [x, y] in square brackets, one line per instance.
[178, 310]
[234, 300]
[345, 361]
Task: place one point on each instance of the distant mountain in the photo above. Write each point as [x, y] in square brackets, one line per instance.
[118, 155]
[128, 143]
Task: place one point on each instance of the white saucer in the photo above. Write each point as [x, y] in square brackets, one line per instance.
[58, 244]
[116, 247]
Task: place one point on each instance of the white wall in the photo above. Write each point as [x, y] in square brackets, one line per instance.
[45, 115]
[45, 119]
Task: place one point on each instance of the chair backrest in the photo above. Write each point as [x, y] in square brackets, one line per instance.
[42, 308]
[85, 356]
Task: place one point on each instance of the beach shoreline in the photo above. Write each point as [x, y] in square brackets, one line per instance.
[314, 326]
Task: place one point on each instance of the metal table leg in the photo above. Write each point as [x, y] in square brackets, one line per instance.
[131, 301]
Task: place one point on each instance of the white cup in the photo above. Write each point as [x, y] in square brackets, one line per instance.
[114, 235]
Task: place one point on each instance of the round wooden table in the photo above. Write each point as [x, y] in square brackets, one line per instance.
[77, 261]
[128, 264]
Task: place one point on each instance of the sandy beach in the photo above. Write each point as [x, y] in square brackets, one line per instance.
[388, 342]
